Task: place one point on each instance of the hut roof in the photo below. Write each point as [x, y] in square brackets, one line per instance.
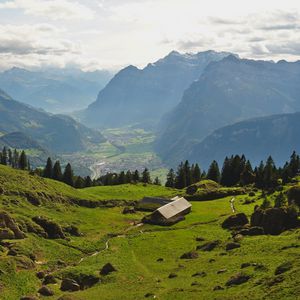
[174, 208]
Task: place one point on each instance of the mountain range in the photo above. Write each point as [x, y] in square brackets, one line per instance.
[257, 138]
[227, 92]
[143, 96]
[55, 133]
[54, 90]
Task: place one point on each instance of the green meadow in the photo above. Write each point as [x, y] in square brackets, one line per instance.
[144, 256]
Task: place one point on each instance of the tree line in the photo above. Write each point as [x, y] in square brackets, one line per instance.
[14, 158]
[236, 170]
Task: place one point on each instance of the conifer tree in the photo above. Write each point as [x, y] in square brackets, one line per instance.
[48, 169]
[146, 176]
[196, 173]
[10, 157]
[57, 173]
[170, 179]
[136, 176]
[79, 182]
[213, 172]
[23, 162]
[128, 177]
[68, 175]
[88, 182]
[157, 181]
[180, 181]
[4, 157]
[122, 178]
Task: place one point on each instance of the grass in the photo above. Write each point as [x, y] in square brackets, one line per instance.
[134, 250]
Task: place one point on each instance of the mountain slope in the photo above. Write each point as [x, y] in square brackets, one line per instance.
[54, 90]
[227, 92]
[276, 135]
[143, 96]
[57, 133]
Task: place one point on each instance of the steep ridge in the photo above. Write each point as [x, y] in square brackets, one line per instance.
[143, 95]
[257, 138]
[227, 92]
[57, 133]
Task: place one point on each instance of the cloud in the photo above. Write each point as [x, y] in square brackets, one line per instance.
[52, 9]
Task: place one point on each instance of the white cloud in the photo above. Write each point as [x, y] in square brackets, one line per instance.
[52, 9]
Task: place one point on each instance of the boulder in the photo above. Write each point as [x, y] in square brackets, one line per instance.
[49, 279]
[209, 246]
[45, 291]
[222, 271]
[86, 281]
[236, 220]
[29, 298]
[190, 255]
[218, 288]
[231, 246]
[199, 274]
[172, 275]
[8, 227]
[148, 295]
[255, 230]
[274, 220]
[238, 279]
[72, 230]
[53, 230]
[128, 210]
[160, 259]
[195, 283]
[107, 269]
[69, 285]
[283, 268]
[40, 274]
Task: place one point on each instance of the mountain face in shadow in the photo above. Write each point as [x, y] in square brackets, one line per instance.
[136, 96]
[56, 133]
[257, 138]
[228, 91]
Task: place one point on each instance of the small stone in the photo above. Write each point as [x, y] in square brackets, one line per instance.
[190, 255]
[283, 268]
[238, 279]
[40, 274]
[49, 279]
[218, 288]
[231, 246]
[160, 259]
[69, 285]
[172, 275]
[245, 265]
[222, 271]
[199, 274]
[107, 269]
[45, 291]
[195, 283]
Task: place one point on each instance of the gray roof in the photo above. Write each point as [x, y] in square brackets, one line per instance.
[174, 208]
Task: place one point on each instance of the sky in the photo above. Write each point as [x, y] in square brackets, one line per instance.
[111, 34]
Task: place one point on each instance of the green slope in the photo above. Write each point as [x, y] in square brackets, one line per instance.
[110, 236]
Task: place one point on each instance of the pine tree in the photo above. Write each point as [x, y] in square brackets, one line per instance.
[188, 173]
[259, 175]
[170, 179]
[128, 177]
[214, 172]
[23, 162]
[16, 159]
[57, 173]
[180, 181]
[4, 157]
[270, 178]
[122, 178]
[10, 157]
[68, 175]
[247, 176]
[48, 169]
[226, 179]
[88, 182]
[146, 176]
[196, 174]
[136, 176]
[79, 182]
[157, 181]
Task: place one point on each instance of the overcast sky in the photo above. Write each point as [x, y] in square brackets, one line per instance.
[95, 34]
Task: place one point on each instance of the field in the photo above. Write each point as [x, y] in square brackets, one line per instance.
[125, 149]
[144, 256]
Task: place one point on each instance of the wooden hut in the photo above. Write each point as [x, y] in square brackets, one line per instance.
[169, 213]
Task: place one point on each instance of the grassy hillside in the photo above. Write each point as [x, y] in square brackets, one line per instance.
[110, 236]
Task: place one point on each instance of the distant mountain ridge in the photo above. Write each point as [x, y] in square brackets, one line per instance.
[257, 138]
[228, 91]
[54, 90]
[56, 133]
[142, 96]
